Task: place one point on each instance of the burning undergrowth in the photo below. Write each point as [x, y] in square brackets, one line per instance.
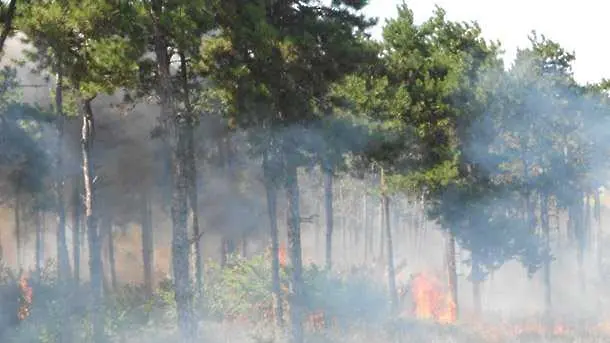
[339, 307]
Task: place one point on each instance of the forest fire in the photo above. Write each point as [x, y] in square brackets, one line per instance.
[282, 255]
[25, 298]
[430, 300]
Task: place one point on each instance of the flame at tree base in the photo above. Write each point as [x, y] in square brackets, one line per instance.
[25, 299]
[430, 300]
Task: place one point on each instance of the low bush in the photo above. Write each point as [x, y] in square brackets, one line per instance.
[238, 292]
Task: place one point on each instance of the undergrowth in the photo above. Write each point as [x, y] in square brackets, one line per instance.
[237, 295]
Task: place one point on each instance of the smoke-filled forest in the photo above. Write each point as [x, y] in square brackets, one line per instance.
[266, 171]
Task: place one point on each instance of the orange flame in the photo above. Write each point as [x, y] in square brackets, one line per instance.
[282, 255]
[25, 299]
[431, 303]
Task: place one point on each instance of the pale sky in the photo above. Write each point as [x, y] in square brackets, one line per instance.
[577, 25]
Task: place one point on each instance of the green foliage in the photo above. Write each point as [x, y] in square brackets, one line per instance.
[243, 290]
[82, 40]
[273, 64]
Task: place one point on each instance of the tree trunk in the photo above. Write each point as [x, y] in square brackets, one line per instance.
[587, 219]
[109, 230]
[342, 205]
[181, 242]
[476, 277]
[385, 200]
[294, 245]
[17, 221]
[192, 176]
[600, 234]
[328, 206]
[229, 246]
[365, 226]
[452, 273]
[228, 250]
[271, 191]
[91, 219]
[580, 232]
[176, 126]
[63, 259]
[76, 224]
[382, 238]
[39, 242]
[147, 244]
[546, 231]
[244, 245]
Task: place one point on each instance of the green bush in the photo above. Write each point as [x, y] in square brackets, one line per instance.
[243, 289]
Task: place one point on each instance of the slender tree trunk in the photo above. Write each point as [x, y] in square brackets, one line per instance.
[271, 191]
[319, 230]
[95, 268]
[452, 272]
[294, 244]
[17, 219]
[181, 242]
[76, 224]
[600, 233]
[109, 230]
[328, 206]
[382, 238]
[342, 204]
[147, 244]
[176, 126]
[546, 231]
[365, 226]
[63, 259]
[587, 214]
[244, 245]
[390, 254]
[229, 245]
[192, 175]
[476, 285]
[228, 250]
[91, 220]
[580, 231]
[39, 242]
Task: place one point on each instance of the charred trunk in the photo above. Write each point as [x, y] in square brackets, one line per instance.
[91, 220]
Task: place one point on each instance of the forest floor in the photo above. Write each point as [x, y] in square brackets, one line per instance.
[214, 332]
